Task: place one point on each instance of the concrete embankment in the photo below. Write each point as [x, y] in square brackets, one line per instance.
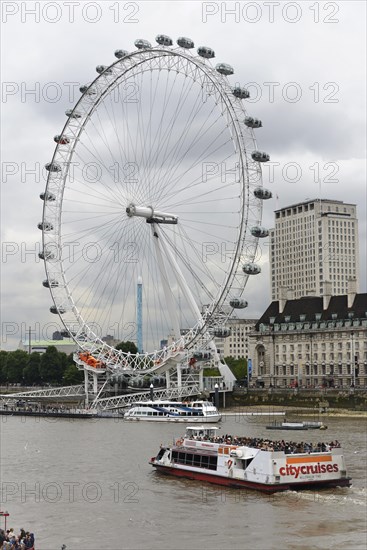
[340, 402]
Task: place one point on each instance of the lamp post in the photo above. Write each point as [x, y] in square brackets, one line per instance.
[30, 339]
[352, 361]
[216, 396]
[312, 376]
[272, 360]
[249, 372]
[4, 515]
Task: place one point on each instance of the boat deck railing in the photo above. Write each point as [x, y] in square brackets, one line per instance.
[287, 447]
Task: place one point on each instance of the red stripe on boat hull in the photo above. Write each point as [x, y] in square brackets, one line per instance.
[238, 483]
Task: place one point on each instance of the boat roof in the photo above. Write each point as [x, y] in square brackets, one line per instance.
[158, 402]
[170, 402]
[201, 428]
[201, 402]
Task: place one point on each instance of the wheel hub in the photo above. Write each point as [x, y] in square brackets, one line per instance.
[151, 215]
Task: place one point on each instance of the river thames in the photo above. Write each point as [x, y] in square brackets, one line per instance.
[88, 484]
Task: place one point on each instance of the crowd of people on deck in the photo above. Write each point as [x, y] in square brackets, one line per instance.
[288, 447]
[38, 408]
[9, 540]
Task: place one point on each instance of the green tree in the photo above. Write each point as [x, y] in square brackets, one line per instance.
[3, 361]
[213, 371]
[127, 347]
[237, 366]
[31, 372]
[51, 366]
[16, 362]
[72, 375]
[70, 359]
[64, 360]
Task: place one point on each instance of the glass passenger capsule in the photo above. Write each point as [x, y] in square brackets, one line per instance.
[252, 122]
[164, 40]
[241, 93]
[224, 68]
[262, 193]
[57, 310]
[47, 196]
[142, 44]
[251, 269]
[119, 379]
[121, 53]
[85, 89]
[260, 232]
[222, 332]
[50, 283]
[45, 226]
[260, 156]
[53, 167]
[103, 69]
[46, 255]
[73, 114]
[201, 355]
[206, 52]
[238, 303]
[62, 140]
[157, 380]
[185, 42]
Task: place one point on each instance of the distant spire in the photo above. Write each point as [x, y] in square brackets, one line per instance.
[139, 315]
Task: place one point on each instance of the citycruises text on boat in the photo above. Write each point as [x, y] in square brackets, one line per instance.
[256, 463]
[173, 411]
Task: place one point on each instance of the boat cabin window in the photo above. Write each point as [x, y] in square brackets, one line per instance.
[201, 432]
[161, 453]
[193, 459]
[245, 462]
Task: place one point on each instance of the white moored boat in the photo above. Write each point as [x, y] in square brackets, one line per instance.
[297, 426]
[256, 463]
[173, 411]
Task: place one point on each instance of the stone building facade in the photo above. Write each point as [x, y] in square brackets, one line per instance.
[237, 344]
[314, 242]
[312, 342]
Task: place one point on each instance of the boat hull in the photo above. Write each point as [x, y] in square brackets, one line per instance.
[246, 484]
[297, 426]
[199, 411]
[280, 427]
[187, 419]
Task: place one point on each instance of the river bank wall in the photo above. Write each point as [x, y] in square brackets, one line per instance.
[320, 400]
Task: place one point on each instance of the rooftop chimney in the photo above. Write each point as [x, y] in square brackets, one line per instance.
[327, 294]
[352, 291]
[285, 294]
[311, 293]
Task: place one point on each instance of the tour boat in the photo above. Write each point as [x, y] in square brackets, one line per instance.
[255, 463]
[173, 411]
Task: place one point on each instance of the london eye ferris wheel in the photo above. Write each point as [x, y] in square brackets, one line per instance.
[155, 182]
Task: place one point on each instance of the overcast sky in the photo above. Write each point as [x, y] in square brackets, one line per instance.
[303, 62]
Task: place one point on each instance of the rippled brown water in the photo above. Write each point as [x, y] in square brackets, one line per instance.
[87, 484]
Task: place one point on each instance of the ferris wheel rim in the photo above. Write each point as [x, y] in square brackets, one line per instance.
[144, 56]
